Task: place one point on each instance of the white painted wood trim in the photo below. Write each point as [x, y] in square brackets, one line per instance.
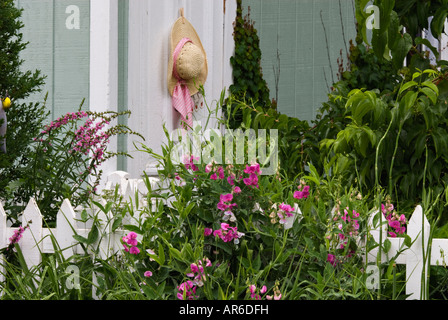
[104, 63]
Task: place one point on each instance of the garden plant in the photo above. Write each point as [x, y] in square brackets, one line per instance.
[224, 230]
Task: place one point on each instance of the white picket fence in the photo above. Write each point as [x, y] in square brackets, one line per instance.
[38, 239]
[418, 229]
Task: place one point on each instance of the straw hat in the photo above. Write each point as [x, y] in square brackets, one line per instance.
[191, 63]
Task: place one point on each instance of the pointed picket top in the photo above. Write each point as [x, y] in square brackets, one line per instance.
[31, 243]
[415, 223]
[127, 191]
[417, 227]
[142, 188]
[117, 176]
[32, 216]
[66, 226]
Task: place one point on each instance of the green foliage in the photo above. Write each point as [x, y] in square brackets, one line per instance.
[248, 82]
[24, 120]
[414, 137]
[293, 146]
[378, 98]
[17, 82]
[64, 162]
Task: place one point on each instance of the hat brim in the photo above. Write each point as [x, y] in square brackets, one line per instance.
[182, 28]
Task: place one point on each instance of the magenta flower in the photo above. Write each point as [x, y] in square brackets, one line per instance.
[207, 231]
[302, 194]
[221, 173]
[331, 258]
[189, 162]
[236, 189]
[187, 290]
[134, 250]
[251, 181]
[148, 274]
[224, 203]
[226, 197]
[228, 233]
[131, 240]
[18, 234]
[255, 168]
[253, 292]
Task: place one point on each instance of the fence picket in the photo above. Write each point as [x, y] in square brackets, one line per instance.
[66, 224]
[414, 255]
[31, 243]
[418, 229]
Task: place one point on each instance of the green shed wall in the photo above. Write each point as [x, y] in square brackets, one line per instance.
[60, 52]
[295, 29]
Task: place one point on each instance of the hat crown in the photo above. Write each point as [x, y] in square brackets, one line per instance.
[190, 61]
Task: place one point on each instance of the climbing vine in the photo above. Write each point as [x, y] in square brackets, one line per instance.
[248, 82]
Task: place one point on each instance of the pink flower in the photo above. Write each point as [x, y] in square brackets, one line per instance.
[187, 290]
[207, 231]
[237, 189]
[251, 181]
[394, 224]
[224, 203]
[208, 168]
[221, 173]
[148, 274]
[392, 234]
[131, 239]
[253, 291]
[18, 234]
[226, 197]
[302, 194]
[214, 176]
[331, 258]
[228, 233]
[189, 162]
[255, 168]
[134, 250]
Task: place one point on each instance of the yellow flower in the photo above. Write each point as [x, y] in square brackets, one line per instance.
[6, 102]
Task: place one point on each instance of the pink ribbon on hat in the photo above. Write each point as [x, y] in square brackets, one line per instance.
[182, 101]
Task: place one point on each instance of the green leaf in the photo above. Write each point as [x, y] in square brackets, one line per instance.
[438, 21]
[430, 94]
[117, 223]
[426, 43]
[393, 31]
[404, 44]
[387, 245]
[431, 85]
[185, 212]
[407, 241]
[93, 235]
[176, 254]
[406, 86]
[161, 254]
[80, 239]
[131, 227]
